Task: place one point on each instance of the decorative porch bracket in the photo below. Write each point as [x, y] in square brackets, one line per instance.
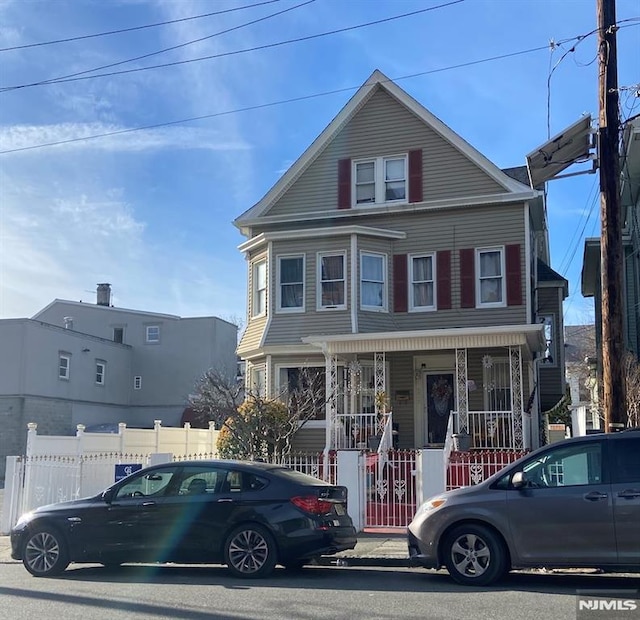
[462, 394]
[515, 366]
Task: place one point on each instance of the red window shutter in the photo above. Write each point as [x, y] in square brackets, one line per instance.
[514, 275]
[400, 277]
[344, 184]
[443, 268]
[467, 279]
[415, 175]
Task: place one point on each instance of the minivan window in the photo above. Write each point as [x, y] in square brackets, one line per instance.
[626, 459]
[572, 465]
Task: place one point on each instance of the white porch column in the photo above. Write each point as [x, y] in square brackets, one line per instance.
[331, 408]
[515, 366]
[462, 391]
[349, 476]
[430, 474]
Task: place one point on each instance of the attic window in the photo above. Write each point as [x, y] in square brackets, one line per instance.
[380, 180]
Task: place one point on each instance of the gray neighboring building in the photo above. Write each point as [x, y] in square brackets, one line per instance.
[82, 363]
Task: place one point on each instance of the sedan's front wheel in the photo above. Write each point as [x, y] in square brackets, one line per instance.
[474, 555]
[45, 553]
[250, 551]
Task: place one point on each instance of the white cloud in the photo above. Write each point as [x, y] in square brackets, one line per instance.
[25, 136]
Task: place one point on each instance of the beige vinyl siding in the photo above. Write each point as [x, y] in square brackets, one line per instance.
[383, 126]
[252, 335]
[446, 229]
[475, 227]
[401, 371]
[289, 328]
[309, 440]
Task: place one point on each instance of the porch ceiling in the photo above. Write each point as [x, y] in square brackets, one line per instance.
[529, 336]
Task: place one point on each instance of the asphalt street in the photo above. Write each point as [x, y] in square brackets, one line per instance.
[92, 592]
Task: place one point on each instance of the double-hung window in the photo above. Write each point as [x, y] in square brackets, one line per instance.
[153, 334]
[64, 366]
[490, 269]
[101, 368]
[422, 278]
[259, 304]
[380, 180]
[373, 269]
[331, 282]
[291, 283]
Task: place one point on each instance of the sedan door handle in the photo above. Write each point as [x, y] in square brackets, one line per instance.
[629, 494]
[224, 499]
[148, 503]
[595, 496]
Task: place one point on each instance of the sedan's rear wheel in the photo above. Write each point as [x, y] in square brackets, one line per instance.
[250, 551]
[474, 555]
[45, 553]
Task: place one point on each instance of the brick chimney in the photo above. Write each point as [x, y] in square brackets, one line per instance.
[104, 294]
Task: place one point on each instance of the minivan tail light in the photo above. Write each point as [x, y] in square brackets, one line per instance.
[312, 504]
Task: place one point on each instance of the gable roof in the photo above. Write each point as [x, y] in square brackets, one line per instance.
[378, 80]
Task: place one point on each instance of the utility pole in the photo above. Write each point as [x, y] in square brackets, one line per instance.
[613, 383]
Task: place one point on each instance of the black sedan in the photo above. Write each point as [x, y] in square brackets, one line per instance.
[249, 516]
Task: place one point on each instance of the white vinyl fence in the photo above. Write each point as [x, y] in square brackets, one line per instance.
[56, 469]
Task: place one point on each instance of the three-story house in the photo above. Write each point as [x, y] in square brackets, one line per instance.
[413, 274]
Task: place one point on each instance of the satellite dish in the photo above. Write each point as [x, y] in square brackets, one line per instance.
[555, 155]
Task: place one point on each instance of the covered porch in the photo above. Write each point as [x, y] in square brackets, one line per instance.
[417, 389]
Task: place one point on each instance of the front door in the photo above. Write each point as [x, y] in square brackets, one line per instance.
[440, 399]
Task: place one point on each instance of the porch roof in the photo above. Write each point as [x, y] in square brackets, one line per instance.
[529, 336]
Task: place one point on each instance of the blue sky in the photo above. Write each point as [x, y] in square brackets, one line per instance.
[150, 211]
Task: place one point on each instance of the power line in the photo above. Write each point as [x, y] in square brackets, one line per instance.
[110, 32]
[235, 52]
[271, 104]
[167, 49]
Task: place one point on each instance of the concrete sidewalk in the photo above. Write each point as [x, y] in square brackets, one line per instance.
[373, 549]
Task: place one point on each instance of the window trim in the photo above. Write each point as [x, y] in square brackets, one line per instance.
[434, 281]
[379, 179]
[384, 307]
[478, 278]
[101, 375]
[255, 311]
[149, 327]
[319, 281]
[295, 309]
[66, 376]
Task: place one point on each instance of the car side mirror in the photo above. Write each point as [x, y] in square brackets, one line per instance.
[518, 480]
[107, 496]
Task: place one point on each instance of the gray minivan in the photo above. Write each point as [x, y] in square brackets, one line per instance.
[575, 503]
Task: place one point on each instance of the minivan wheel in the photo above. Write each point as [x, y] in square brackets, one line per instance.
[45, 553]
[250, 551]
[474, 555]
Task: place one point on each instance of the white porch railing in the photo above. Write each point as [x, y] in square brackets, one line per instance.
[488, 429]
[364, 431]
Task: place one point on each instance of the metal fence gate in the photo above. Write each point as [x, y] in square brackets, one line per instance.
[390, 488]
